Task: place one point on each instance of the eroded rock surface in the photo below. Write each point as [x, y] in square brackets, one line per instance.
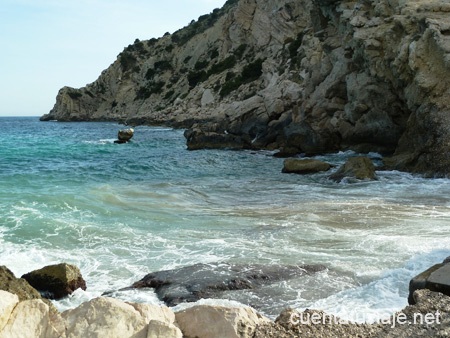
[307, 76]
[191, 283]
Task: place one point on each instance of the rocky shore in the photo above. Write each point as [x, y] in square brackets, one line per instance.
[305, 77]
[24, 313]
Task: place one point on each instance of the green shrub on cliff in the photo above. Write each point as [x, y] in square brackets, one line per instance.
[250, 73]
[127, 60]
[196, 77]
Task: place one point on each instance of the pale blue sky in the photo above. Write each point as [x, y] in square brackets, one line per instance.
[48, 44]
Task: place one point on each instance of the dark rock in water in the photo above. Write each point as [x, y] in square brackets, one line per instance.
[124, 135]
[436, 278]
[360, 168]
[304, 166]
[286, 152]
[213, 136]
[191, 283]
[56, 281]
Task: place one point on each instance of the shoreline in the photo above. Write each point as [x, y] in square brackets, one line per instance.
[33, 316]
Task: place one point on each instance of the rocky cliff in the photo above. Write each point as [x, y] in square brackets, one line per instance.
[304, 76]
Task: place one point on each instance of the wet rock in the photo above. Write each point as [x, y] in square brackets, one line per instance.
[304, 166]
[360, 168]
[191, 283]
[203, 321]
[436, 278]
[56, 281]
[124, 135]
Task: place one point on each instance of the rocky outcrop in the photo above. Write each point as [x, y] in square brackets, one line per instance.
[56, 281]
[304, 166]
[192, 283]
[356, 168]
[307, 76]
[107, 317]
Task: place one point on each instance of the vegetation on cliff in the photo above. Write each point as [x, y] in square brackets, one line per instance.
[303, 76]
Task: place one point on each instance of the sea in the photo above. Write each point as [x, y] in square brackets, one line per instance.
[68, 193]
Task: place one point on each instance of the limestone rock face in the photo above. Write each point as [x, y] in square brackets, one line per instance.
[32, 318]
[203, 321]
[304, 166]
[309, 76]
[56, 281]
[108, 317]
[8, 302]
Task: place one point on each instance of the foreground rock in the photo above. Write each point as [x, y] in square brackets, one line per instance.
[428, 318]
[220, 322]
[359, 168]
[301, 166]
[56, 281]
[29, 318]
[107, 317]
[191, 283]
[17, 286]
[436, 278]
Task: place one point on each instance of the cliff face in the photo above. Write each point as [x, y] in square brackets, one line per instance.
[305, 76]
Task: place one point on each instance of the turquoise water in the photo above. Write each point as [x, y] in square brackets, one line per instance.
[68, 193]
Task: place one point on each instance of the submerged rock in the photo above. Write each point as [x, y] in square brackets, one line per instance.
[360, 168]
[191, 283]
[304, 166]
[56, 281]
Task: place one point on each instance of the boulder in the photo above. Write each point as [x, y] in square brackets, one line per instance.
[124, 135]
[105, 317]
[8, 302]
[304, 166]
[204, 321]
[436, 278]
[56, 281]
[158, 329]
[360, 168]
[191, 283]
[33, 318]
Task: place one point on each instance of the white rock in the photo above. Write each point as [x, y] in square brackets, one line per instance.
[8, 301]
[205, 321]
[158, 329]
[30, 318]
[207, 98]
[105, 317]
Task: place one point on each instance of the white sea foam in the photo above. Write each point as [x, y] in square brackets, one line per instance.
[122, 212]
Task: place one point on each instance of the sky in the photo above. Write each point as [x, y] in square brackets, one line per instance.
[49, 44]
